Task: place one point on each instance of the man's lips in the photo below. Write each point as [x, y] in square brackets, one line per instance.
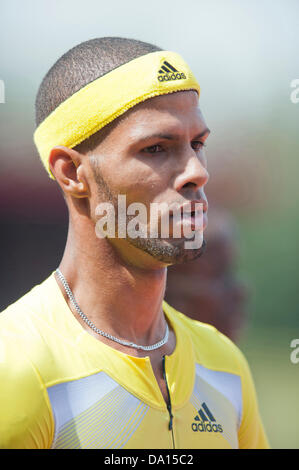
[193, 215]
[195, 205]
[199, 224]
[194, 221]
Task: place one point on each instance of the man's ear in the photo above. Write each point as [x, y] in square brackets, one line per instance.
[66, 166]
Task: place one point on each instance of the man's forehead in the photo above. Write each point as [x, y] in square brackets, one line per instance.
[173, 113]
[180, 100]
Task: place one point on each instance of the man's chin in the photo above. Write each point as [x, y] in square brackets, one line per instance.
[168, 251]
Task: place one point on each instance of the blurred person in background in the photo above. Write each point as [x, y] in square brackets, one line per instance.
[208, 289]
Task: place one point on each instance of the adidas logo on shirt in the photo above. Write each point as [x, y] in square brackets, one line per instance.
[204, 421]
[167, 72]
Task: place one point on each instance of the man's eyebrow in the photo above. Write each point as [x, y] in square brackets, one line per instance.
[160, 135]
[203, 133]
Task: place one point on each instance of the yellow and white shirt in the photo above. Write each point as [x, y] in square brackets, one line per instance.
[62, 388]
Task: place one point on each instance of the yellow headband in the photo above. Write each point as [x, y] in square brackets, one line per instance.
[104, 99]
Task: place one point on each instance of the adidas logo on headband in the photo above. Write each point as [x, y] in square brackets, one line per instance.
[167, 72]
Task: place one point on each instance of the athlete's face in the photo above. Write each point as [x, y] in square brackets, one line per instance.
[154, 154]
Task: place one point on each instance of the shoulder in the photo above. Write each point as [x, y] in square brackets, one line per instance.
[24, 322]
[38, 325]
[212, 348]
[19, 315]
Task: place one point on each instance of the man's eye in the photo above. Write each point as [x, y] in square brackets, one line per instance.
[153, 149]
[197, 144]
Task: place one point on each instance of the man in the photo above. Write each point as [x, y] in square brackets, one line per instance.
[208, 289]
[92, 357]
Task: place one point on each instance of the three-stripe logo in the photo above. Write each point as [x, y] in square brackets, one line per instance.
[204, 421]
[168, 72]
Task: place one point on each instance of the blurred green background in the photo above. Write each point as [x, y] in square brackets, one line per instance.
[245, 55]
[270, 258]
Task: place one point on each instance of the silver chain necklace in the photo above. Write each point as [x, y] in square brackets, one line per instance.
[100, 332]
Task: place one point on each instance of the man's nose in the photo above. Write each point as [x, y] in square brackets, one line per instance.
[194, 173]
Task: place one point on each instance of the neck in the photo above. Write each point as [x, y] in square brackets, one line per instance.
[119, 297]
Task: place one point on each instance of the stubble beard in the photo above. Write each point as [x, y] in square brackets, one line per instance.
[168, 251]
